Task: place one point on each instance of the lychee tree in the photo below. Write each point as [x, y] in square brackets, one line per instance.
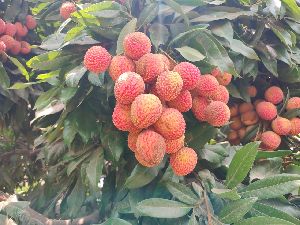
[132, 119]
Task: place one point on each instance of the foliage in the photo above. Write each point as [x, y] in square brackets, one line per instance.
[86, 166]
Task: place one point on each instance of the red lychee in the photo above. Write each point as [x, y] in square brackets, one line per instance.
[189, 73]
[66, 9]
[266, 110]
[183, 161]
[183, 102]
[136, 45]
[97, 59]
[274, 95]
[217, 113]
[120, 64]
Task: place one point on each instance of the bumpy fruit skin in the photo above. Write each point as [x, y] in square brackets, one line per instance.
[97, 59]
[128, 86]
[199, 105]
[281, 126]
[25, 47]
[234, 110]
[120, 64]
[121, 118]
[166, 61]
[169, 85]
[252, 91]
[145, 110]
[216, 72]
[245, 107]
[189, 73]
[136, 45]
[66, 9]
[16, 48]
[30, 22]
[10, 29]
[266, 110]
[274, 95]
[236, 123]
[21, 30]
[221, 94]
[293, 103]
[150, 66]
[2, 47]
[224, 79]
[295, 126]
[174, 145]
[2, 26]
[8, 41]
[206, 85]
[150, 148]
[217, 114]
[270, 140]
[183, 102]
[249, 118]
[171, 125]
[183, 161]
[132, 138]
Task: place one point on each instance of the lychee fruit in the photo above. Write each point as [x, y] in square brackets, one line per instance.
[169, 85]
[293, 103]
[120, 64]
[2, 47]
[270, 140]
[2, 26]
[266, 110]
[8, 41]
[66, 9]
[25, 47]
[128, 86]
[183, 161]
[183, 102]
[149, 66]
[234, 110]
[242, 132]
[166, 61]
[136, 45]
[30, 22]
[245, 107]
[199, 105]
[223, 78]
[249, 118]
[281, 126]
[189, 73]
[16, 48]
[10, 29]
[150, 148]
[217, 114]
[274, 95]
[232, 135]
[174, 145]
[132, 138]
[206, 85]
[295, 126]
[21, 30]
[97, 59]
[221, 94]
[252, 91]
[121, 118]
[146, 109]
[236, 123]
[171, 124]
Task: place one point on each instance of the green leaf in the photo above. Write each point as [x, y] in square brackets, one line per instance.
[75, 163]
[73, 32]
[115, 221]
[69, 132]
[96, 79]
[159, 34]
[239, 47]
[53, 41]
[214, 154]
[282, 34]
[278, 153]
[162, 208]
[4, 79]
[271, 187]
[148, 14]
[73, 77]
[260, 209]
[266, 168]
[265, 220]
[21, 68]
[235, 211]
[182, 193]
[94, 168]
[190, 54]
[177, 8]
[293, 8]
[141, 176]
[241, 164]
[76, 198]
[19, 85]
[230, 194]
[127, 29]
[45, 98]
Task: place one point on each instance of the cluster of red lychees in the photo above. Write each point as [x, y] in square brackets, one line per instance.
[12, 36]
[246, 115]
